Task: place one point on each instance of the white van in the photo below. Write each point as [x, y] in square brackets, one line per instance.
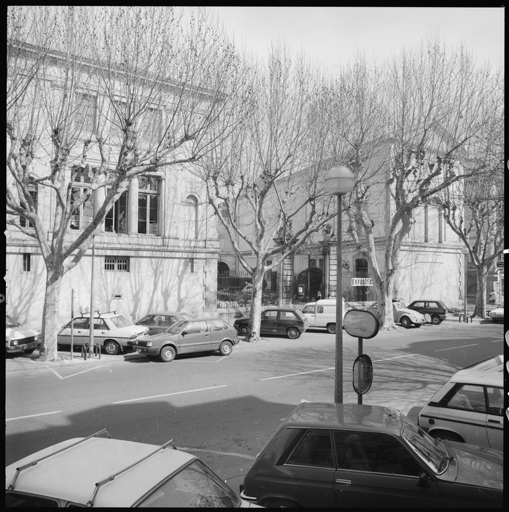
[322, 314]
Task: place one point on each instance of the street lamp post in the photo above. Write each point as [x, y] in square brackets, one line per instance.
[464, 251]
[339, 181]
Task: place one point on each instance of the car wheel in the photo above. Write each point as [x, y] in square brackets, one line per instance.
[447, 436]
[435, 320]
[293, 333]
[167, 354]
[225, 348]
[112, 347]
[280, 503]
[242, 330]
[405, 322]
[331, 328]
[494, 320]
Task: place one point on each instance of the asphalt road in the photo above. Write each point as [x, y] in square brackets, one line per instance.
[225, 408]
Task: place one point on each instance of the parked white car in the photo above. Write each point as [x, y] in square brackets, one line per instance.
[468, 408]
[497, 315]
[104, 472]
[322, 314]
[112, 331]
[402, 315]
[20, 339]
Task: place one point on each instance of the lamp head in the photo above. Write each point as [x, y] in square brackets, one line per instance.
[339, 180]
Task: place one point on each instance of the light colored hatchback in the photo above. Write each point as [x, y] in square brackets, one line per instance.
[104, 472]
[469, 408]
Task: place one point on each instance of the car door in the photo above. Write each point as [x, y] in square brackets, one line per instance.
[195, 337]
[310, 469]
[495, 417]
[268, 324]
[216, 329]
[375, 470]
[463, 412]
[80, 332]
[101, 331]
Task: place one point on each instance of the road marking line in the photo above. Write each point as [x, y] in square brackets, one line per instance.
[60, 376]
[169, 394]
[33, 416]
[389, 358]
[453, 348]
[294, 374]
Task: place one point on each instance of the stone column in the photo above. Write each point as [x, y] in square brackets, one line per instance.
[132, 213]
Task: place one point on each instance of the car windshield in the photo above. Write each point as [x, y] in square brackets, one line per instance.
[431, 451]
[308, 309]
[9, 322]
[195, 486]
[120, 321]
[177, 327]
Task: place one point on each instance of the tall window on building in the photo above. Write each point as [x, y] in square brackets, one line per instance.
[27, 267]
[148, 205]
[86, 106]
[362, 271]
[426, 223]
[116, 219]
[191, 207]
[150, 129]
[32, 190]
[81, 201]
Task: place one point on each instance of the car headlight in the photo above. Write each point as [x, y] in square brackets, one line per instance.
[36, 337]
[149, 343]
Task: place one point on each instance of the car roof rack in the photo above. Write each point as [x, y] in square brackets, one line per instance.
[34, 462]
[90, 502]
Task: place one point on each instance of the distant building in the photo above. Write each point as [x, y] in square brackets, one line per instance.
[430, 263]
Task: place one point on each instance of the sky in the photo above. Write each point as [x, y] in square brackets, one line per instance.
[331, 36]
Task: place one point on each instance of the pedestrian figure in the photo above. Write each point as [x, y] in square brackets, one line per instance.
[493, 297]
[319, 295]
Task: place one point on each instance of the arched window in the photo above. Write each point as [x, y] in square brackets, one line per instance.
[191, 204]
[223, 269]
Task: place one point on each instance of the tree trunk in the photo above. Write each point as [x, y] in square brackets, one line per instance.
[50, 325]
[480, 298]
[256, 307]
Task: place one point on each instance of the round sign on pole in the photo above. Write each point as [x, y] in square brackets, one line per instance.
[360, 323]
[362, 374]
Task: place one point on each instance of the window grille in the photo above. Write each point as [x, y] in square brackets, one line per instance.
[116, 264]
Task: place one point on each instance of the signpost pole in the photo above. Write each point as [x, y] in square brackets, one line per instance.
[359, 344]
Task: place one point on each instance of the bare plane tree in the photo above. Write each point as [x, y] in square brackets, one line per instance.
[266, 183]
[427, 107]
[107, 93]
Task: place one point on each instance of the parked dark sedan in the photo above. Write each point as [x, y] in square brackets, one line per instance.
[276, 320]
[350, 455]
[188, 336]
[159, 322]
[436, 309]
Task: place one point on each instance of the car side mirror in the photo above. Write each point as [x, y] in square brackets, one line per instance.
[423, 480]
[183, 333]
